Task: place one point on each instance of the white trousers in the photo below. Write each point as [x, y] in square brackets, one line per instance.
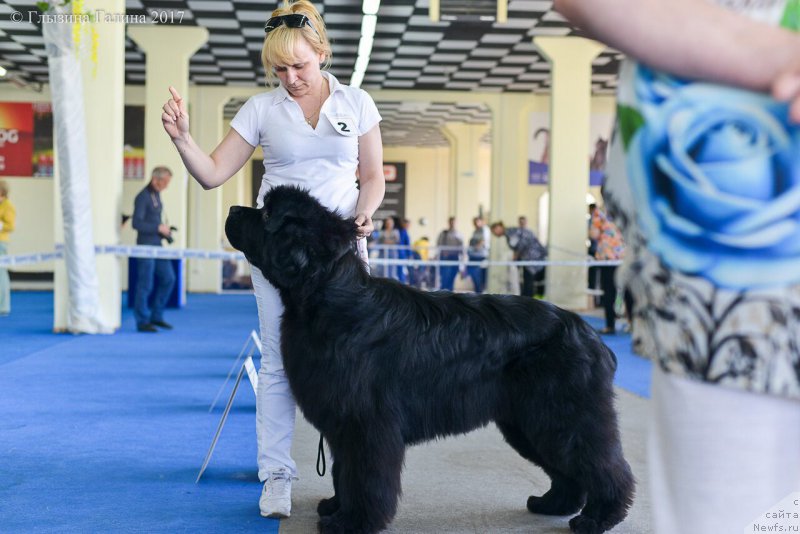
[719, 458]
[275, 406]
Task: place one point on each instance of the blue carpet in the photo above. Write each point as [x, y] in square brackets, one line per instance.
[107, 433]
[29, 327]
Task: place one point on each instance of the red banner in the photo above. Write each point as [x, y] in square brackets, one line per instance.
[16, 139]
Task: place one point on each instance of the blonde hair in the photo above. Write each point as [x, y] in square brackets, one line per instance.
[279, 44]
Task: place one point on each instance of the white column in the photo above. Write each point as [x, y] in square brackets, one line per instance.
[206, 219]
[571, 59]
[103, 97]
[465, 171]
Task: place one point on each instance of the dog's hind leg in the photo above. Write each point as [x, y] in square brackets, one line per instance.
[589, 470]
[565, 496]
[368, 466]
[610, 486]
[585, 453]
[590, 453]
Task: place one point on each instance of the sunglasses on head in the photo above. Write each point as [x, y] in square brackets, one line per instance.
[294, 20]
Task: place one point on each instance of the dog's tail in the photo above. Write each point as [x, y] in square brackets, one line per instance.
[586, 341]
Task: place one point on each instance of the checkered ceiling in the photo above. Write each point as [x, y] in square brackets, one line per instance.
[409, 51]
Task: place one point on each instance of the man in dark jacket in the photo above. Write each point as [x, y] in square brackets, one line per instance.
[153, 275]
[526, 248]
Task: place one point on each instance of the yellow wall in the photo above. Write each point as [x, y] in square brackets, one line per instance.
[33, 199]
[427, 191]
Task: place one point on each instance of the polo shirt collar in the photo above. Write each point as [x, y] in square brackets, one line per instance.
[333, 84]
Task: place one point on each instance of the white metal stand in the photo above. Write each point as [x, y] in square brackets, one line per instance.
[252, 375]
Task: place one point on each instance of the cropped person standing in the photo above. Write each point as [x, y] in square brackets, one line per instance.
[154, 277]
[422, 276]
[404, 251]
[478, 251]
[704, 182]
[526, 247]
[388, 239]
[608, 247]
[449, 248]
[316, 134]
[8, 217]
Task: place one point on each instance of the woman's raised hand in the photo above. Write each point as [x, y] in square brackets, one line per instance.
[174, 118]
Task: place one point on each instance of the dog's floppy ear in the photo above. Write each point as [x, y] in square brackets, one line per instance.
[341, 235]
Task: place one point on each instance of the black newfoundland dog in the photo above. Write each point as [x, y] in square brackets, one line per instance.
[377, 366]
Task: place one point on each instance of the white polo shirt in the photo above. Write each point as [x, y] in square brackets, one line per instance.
[322, 159]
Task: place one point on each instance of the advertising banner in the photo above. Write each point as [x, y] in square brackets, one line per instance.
[16, 139]
[539, 147]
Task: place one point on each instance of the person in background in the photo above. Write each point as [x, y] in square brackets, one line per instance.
[702, 179]
[8, 217]
[154, 277]
[591, 249]
[526, 248]
[317, 134]
[404, 252]
[609, 247]
[388, 239]
[449, 245]
[502, 276]
[422, 275]
[478, 251]
[539, 277]
[421, 247]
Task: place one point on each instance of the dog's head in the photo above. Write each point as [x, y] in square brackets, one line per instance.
[293, 239]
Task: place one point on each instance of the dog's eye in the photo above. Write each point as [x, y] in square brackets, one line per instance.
[264, 215]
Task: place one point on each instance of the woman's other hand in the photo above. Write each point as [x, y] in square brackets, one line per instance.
[364, 226]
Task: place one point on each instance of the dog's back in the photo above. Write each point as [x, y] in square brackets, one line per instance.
[449, 362]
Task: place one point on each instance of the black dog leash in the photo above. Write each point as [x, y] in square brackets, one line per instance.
[321, 457]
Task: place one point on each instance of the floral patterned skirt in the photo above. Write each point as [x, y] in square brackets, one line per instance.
[704, 182]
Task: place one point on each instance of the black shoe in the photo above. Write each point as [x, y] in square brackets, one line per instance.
[607, 331]
[161, 324]
[146, 327]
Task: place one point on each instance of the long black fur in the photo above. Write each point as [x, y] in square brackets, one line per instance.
[377, 366]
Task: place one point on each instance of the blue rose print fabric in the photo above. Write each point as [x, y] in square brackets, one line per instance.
[704, 182]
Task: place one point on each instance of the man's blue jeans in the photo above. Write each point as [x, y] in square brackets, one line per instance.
[152, 273]
[477, 273]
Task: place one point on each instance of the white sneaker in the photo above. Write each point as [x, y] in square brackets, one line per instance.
[276, 497]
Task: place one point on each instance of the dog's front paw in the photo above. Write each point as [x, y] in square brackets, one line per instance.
[342, 524]
[581, 524]
[328, 506]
